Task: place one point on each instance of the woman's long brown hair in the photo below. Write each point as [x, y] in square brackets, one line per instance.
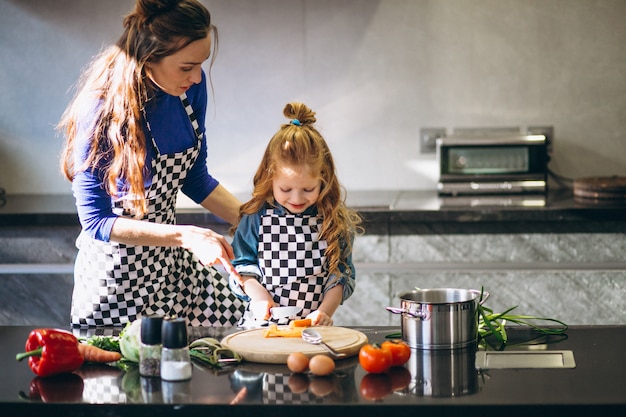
[116, 77]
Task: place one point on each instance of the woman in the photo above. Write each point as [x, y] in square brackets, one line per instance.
[134, 137]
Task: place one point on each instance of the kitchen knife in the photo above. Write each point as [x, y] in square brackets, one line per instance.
[283, 312]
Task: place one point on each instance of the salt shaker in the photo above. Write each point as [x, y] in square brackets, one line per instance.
[150, 348]
[175, 359]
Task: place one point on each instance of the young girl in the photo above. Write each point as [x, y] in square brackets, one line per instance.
[293, 243]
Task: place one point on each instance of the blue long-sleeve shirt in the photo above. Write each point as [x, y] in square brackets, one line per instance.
[172, 132]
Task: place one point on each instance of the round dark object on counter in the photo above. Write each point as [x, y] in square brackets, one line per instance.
[600, 188]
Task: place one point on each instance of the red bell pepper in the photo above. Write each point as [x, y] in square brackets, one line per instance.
[51, 352]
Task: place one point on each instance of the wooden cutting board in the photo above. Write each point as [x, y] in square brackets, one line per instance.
[255, 348]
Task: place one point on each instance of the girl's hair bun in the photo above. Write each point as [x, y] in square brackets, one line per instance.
[300, 112]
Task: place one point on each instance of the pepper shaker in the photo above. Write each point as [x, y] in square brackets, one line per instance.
[150, 348]
[175, 359]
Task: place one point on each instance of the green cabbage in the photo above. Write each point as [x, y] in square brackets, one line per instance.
[130, 341]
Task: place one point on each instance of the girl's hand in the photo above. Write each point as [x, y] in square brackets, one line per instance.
[260, 299]
[319, 318]
[261, 309]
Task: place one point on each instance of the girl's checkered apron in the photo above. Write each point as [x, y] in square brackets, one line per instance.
[292, 259]
[116, 283]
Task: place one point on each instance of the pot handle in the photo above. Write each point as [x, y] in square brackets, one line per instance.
[414, 314]
[485, 296]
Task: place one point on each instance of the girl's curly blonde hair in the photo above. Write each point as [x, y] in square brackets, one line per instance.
[298, 143]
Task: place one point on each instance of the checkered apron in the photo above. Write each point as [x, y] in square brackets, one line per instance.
[292, 259]
[276, 390]
[116, 283]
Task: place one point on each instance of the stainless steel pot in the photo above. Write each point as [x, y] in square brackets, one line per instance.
[440, 318]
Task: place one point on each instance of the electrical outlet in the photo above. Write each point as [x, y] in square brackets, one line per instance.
[428, 138]
[547, 131]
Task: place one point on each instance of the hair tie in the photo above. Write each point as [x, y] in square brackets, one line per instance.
[296, 122]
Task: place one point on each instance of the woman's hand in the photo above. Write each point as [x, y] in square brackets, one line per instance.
[210, 247]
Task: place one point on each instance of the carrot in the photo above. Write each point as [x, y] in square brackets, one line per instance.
[274, 331]
[301, 323]
[95, 354]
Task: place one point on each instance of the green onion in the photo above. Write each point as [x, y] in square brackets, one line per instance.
[209, 351]
[492, 324]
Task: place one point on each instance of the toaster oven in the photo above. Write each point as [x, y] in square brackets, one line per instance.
[496, 164]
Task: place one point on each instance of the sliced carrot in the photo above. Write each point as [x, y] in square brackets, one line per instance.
[274, 331]
[301, 323]
[92, 353]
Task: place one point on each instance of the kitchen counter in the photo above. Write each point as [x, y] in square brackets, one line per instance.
[391, 212]
[595, 385]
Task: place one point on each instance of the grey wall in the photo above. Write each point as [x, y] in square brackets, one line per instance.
[375, 71]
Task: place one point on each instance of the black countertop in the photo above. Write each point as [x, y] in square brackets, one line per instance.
[391, 212]
[595, 385]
